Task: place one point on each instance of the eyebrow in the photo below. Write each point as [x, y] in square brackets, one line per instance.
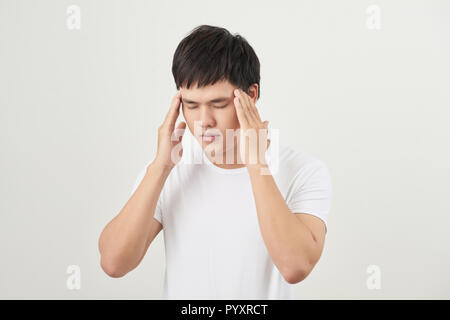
[221, 99]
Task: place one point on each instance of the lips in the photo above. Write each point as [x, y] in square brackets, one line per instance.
[209, 137]
[209, 134]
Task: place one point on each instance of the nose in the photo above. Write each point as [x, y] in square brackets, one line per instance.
[207, 118]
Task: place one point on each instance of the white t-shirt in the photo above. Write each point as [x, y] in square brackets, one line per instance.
[213, 244]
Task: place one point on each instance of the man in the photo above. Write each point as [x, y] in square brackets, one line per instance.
[235, 227]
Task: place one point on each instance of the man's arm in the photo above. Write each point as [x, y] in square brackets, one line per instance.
[294, 241]
[125, 240]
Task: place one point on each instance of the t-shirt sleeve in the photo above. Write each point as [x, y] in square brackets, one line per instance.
[158, 209]
[312, 191]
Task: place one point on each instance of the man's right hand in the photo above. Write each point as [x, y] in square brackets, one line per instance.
[170, 139]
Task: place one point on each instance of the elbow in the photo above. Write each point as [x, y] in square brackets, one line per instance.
[111, 263]
[112, 269]
[296, 275]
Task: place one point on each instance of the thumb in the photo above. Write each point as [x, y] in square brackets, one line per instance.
[266, 124]
[181, 125]
[180, 130]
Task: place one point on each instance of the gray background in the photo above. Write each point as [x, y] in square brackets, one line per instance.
[80, 111]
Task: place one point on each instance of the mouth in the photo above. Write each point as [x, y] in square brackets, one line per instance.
[208, 138]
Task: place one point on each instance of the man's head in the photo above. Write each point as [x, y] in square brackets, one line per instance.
[208, 65]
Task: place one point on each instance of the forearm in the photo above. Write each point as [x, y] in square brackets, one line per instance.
[123, 241]
[289, 242]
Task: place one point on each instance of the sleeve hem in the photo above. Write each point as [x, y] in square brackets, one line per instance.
[313, 213]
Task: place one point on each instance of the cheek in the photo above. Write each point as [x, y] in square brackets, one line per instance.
[228, 120]
[187, 115]
[189, 121]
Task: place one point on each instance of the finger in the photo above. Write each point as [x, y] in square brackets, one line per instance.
[243, 100]
[179, 132]
[252, 108]
[174, 111]
[240, 112]
[255, 112]
[239, 105]
[245, 108]
[249, 107]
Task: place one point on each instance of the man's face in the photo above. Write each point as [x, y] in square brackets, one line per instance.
[211, 110]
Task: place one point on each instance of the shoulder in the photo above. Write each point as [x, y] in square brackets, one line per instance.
[299, 164]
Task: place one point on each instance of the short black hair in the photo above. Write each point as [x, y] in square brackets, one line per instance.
[209, 54]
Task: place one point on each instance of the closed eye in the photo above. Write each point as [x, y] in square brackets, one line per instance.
[217, 107]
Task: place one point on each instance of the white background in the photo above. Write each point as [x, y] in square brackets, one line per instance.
[80, 111]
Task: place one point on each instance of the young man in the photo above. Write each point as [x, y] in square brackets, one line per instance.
[235, 226]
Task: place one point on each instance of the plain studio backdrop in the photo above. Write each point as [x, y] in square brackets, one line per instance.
[362, 85]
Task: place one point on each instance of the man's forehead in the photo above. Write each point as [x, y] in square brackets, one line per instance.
[206, 94]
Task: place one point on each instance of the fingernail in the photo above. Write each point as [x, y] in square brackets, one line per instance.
[236, 92]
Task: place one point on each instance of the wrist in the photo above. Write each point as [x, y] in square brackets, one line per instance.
[158, 167]
[257, 167]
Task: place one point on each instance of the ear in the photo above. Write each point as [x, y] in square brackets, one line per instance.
[253, 92]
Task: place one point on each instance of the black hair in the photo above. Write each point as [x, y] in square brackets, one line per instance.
[210, 54]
